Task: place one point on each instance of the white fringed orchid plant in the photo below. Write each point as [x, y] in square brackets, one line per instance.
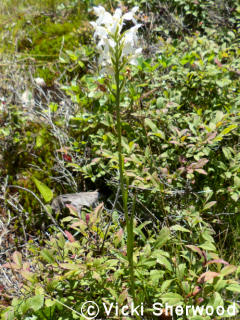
[117, 48]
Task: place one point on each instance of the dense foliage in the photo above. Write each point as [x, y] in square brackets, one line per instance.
[180, 141]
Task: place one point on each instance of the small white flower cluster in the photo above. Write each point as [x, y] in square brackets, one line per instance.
[107, 27]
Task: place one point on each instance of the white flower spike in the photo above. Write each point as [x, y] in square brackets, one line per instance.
[108, 34]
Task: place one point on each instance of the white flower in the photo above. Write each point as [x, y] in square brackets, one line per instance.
[107, 28]
[130, 15]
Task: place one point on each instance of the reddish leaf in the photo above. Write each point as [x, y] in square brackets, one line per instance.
[211, 136]
[196, 290]
[181, 170]
[217, 261]
[69, 236]
[67, 158]
[95, 160]
[208, 276]
[174, 142]
[119, 236]
[72, 209]
[98, 208]
[218, 63]
[87, 218]
[201, 171]
[198, 165]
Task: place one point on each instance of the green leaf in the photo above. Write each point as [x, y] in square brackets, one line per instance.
[181, 271]
[164, 261]
[234, 287]
[235, 196]
[49, 303]
[163, 237]
[172, 298]
[224, 132]
[237, 181]
[165, 285]
[155, 276]
[208, 246]
[223, 83]
[209, 205]
[151, 125]
[216, 300]
[36, 302]
[8, 314]
[46, 193]
[220, 284]
[159, 134]
[227, 152]
[177, 227]
[227, 270]
[47, 256]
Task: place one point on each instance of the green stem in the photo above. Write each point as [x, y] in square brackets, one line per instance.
[129, 222]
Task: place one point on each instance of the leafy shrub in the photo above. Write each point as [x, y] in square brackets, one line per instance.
[91, 265]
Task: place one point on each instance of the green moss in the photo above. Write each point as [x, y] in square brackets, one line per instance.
[41, 33]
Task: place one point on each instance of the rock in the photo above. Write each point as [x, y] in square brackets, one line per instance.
[77, 200]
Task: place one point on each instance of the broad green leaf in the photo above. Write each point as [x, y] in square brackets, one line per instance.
[8, 315]
[227, 152]
[177, 227]
[151, 125]
[228, 269]
[165, 285]
[228, 129]
[218, 117]
[234, 287]
[216, 300]
[36, 302]
[163, 237]
[235, 196]
[224, 132]
[159, 134]
[220, 284]
[181, 271]
[155, 276]
[46, 193]
[237, 181]
[164, 261]
[208, 246]
[50, 303]
[223, 82]
[47, 256]
[207, 236]
[172, 298]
